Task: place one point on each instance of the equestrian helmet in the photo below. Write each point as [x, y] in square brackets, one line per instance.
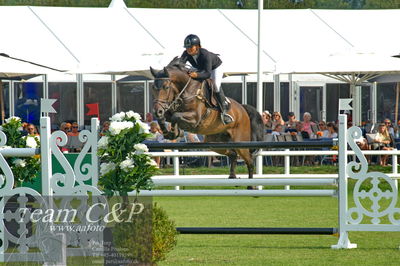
[191, 40]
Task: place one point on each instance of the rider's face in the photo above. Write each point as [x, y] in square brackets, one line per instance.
[193, 50]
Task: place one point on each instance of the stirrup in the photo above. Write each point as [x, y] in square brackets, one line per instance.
[226, 118]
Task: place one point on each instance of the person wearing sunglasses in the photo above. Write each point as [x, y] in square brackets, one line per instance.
[278, 120]
[323, 128]
[389, 126]
[32, 131]
[74, 144]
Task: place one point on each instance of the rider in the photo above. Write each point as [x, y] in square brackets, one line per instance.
[207, 65]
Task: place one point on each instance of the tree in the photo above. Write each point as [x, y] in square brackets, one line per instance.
[222, 4]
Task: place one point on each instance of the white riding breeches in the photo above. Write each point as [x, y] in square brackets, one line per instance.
[217, 75]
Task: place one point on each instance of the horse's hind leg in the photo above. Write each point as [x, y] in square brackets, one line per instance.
[248, 158]
[233, 161]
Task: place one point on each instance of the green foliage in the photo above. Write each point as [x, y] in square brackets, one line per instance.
[24, 169]
[164, 234]
[213, 4]
[378, 4]
[135, 236]
[124, 165]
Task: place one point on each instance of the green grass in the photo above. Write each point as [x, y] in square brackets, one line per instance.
[374, 248]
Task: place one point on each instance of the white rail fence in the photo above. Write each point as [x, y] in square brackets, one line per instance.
[73, 181]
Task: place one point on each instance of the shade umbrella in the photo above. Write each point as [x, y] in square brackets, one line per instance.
[353, 68]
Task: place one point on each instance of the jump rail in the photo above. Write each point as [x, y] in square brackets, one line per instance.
[259, 230]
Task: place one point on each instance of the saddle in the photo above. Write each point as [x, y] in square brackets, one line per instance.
[206, 94]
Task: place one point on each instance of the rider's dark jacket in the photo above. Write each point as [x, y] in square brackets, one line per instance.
[206, 62]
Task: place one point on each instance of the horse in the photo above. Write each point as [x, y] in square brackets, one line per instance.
[188, 104]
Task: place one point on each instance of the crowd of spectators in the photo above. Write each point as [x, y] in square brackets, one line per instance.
[379, 136]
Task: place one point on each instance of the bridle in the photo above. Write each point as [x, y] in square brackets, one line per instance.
[177, 102]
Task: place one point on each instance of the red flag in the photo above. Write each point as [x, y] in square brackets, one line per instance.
[93, 109]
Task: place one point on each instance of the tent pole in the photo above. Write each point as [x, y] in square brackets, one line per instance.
[396, 110]
[2, 102]
[260, 106]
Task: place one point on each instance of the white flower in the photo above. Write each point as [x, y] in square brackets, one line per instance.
[31, 141]
[106, 167]
[8, 120]
[20, 162]
[152, 163]
[126, 165]
[103, 142]
[131, 114]
[118, 117]
[116, 127]
[140, 148]
[144, 128]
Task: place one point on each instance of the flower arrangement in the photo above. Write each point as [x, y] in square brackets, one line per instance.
[124, 164]
[24, 169]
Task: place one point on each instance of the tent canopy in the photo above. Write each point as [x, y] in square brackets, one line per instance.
[123, 40]
[353, 68]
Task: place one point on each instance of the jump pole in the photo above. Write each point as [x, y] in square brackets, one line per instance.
[258, 230]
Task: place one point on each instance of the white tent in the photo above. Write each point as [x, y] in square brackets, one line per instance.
[353, 68]
[217, 34]
[125, 39]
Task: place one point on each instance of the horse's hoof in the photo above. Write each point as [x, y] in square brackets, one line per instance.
[232, 177]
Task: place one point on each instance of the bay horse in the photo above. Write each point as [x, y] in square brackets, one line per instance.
[188, 104]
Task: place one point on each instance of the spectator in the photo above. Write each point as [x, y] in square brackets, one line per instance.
[307, 123]
[324, 129]
[65, 127]
[384, 139]
[192, 138]
[24, 130]
[155, 131]
[277, 120]
[156, 136]
[389, 126]
[149, 118]
[332, 130]
[300, 131]
[277, 130]
[74, 144]
[292, 122]
[266, 117]
[106, 127]
[32, 130]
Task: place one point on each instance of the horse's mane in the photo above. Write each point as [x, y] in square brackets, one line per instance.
[177, 63]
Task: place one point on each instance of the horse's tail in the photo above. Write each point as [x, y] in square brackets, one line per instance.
[256, 124]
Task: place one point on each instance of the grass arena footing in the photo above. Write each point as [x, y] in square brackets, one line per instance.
[259, 230]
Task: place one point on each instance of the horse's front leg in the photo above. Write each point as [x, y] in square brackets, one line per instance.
[185, 120]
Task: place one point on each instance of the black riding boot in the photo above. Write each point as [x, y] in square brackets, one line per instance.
[224, 106]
